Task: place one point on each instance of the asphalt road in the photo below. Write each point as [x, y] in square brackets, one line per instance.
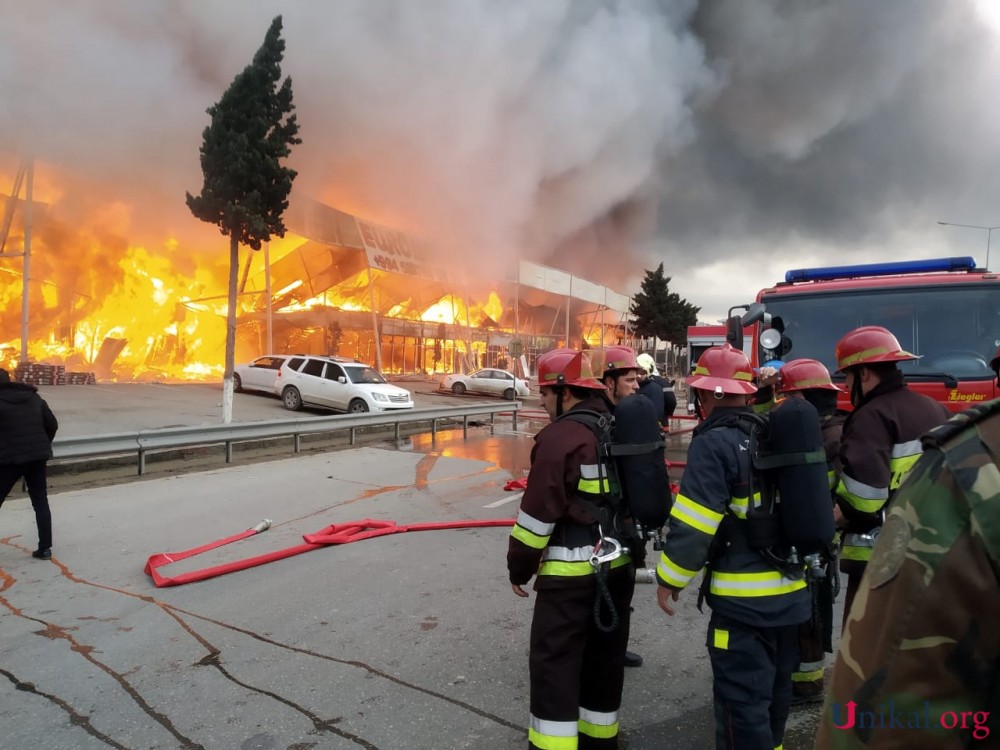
[411, 640]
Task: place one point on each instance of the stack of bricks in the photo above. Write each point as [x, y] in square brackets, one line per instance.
[78, 378]
[39, 374]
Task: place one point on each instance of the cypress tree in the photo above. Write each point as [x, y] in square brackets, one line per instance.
[246, 187]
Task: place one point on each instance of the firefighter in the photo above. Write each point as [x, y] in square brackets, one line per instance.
[655, 388]
[619, 371]
[581, 620]
[809, 379]
[756, 607]
[880, 441]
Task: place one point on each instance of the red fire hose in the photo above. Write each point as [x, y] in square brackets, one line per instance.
[338, 533]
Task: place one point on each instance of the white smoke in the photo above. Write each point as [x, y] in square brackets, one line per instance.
[550, 130]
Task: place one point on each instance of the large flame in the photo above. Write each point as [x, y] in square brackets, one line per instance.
[112, 295]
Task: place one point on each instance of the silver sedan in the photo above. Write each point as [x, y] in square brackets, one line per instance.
[488, 382]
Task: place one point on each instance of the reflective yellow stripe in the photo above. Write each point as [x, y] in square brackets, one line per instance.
[813, 676]
[553, 735]
[738, 505]
[860, 496]
[864, 554]
[697, 516]
[594, 486]
[900, 467]
[575, 569]
[532, 524]
[598, 724]
[673, 574]
[526, 537]
[770, 583]
[720, 639]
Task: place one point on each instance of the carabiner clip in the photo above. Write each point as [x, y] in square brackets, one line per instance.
[606, 550]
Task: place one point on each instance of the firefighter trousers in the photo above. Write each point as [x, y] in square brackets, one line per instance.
[577, 671]
[815, 641]
[752, 682]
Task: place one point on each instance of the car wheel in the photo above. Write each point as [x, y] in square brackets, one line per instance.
[237, 383]
[292, 398]
[458, 389]
[509, 394]
[357, 406]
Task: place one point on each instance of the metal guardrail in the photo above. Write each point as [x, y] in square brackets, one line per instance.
[141, 442]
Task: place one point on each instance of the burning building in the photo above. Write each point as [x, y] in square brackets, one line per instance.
[335, 284]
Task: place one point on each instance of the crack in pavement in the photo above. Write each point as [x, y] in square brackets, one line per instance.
[213, 659]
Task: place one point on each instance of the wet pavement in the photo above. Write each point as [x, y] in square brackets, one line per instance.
[410, 640]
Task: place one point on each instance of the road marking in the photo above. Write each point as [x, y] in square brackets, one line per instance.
[504, 501]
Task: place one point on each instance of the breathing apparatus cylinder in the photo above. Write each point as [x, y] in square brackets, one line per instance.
[645, 575]
[806, 511]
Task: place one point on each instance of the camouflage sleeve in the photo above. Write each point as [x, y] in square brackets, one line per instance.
[918, 660]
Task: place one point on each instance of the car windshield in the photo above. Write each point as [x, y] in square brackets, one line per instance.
[955, 329]
[361, 374]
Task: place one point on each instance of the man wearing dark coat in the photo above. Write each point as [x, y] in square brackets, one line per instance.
[27, 427]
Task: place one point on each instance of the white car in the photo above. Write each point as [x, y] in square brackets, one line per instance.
[487, 381]
[258, 375]
[337, 383]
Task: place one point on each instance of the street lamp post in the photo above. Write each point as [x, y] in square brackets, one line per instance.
[988, 230]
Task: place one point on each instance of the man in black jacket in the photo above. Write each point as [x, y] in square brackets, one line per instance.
[27, 426]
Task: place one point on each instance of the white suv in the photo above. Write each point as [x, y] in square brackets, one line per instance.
[337, 383]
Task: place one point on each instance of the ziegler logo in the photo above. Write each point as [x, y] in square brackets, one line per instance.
[956, 396]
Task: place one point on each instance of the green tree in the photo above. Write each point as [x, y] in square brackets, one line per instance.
[659, 312]
[246, 187]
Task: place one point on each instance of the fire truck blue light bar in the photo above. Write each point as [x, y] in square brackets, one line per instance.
[929, 265]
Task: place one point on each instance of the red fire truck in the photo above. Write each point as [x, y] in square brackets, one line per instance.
[946, 310]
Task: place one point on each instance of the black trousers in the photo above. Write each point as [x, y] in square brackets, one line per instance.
[576, 668]
[752, 682]
[33, 473]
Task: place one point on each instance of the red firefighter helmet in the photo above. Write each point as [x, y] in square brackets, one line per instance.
[867, 345]
[614, 360]
[805, 375]
[724, 368]
[566, 367]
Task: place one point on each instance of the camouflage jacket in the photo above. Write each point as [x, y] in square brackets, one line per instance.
[922, 644]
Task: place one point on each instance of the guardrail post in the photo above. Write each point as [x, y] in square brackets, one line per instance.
[513, 420]
[142, 462]
[354, 435]
[229, 451]
[297, 442]
[465, 426]
[434, 430]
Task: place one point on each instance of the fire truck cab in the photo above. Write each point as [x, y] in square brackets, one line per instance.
[946, 310]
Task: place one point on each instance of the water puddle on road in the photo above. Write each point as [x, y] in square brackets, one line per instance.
[507, 449]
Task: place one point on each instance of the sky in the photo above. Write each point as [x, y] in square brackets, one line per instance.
[728, 139]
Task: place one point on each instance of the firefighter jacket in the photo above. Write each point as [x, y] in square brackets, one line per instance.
[740, 583]
[832, 428]
[554, 534]
[879, 446]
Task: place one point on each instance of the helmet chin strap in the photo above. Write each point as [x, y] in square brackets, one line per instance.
[559, 402]
[857, 393]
